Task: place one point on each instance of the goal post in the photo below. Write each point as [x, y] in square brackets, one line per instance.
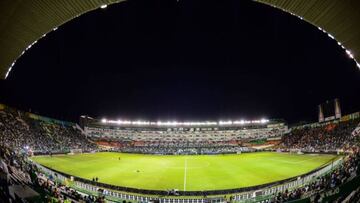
[75, 151]
[295, 151]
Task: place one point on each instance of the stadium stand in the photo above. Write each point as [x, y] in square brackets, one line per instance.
[40, 134]
[356, 132]
[19, 176]
[336, 136]
[348, 171]
[207, 138]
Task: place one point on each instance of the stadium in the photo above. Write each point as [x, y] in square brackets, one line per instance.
[190, 161]
[105, 159]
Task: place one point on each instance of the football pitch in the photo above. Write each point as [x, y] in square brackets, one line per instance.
[185, 172]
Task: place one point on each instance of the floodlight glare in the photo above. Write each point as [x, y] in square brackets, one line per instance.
[264, 121]
[103, 6]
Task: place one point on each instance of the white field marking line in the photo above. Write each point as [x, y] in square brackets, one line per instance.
[185, 170]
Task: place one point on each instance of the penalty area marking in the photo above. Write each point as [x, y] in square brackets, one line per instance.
[185, 170]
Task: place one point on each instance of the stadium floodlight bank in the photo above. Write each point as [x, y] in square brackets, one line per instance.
[86, 120]
[176, 123]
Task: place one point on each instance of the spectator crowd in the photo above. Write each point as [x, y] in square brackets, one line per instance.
[17, 170]
[185, 150]
[348, 170]
[331, 137]
[20, 131]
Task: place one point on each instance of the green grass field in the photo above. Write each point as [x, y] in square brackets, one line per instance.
[190, 173]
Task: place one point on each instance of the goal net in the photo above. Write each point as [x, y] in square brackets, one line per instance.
[295, 151]
[75, 151]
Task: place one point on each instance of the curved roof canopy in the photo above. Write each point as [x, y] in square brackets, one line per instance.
[23, 22]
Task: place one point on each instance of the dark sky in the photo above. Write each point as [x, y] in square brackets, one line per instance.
[186, 60]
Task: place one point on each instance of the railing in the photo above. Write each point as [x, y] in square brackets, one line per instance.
[239, 195]
[266, 192]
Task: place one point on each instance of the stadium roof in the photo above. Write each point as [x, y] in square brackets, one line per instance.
[23, 22]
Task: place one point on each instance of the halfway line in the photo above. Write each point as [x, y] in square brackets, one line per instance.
[185, 170]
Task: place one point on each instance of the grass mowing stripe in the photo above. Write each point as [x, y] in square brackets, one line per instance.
[185, 170]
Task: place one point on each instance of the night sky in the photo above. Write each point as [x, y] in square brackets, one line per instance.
[187, 60]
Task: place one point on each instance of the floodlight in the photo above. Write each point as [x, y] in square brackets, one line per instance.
[225, 122]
